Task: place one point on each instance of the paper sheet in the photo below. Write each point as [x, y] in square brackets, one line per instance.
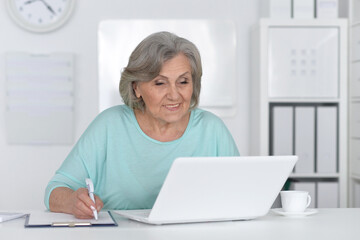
[6, 216]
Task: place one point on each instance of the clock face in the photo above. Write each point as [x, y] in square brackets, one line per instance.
[40, 15]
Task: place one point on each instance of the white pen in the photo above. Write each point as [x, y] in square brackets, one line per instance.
[90, 187]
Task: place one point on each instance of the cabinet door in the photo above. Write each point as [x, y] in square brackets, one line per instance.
[303, 69]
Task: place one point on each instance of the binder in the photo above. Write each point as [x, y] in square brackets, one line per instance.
[327, 194]
[276, 9]
[355, 79]
[327, 8]
[303, 9]
[327, 139]
[309, 187]
[355, 157]
[305, 139]
[356, 197]
[51, 219]
[355, 119]
[356, 43]
[282, 130]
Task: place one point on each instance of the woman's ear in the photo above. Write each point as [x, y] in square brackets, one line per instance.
[136, 90]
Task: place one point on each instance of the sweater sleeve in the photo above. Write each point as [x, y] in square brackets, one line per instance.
[226, 145]
[82, 162]
[215, 135]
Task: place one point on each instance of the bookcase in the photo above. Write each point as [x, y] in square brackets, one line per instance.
[299, 102]
[354, 102]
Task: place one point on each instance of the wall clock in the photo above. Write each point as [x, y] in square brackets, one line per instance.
[40, 15]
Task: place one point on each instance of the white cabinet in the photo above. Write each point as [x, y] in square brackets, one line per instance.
[299, 102]
[354, 101]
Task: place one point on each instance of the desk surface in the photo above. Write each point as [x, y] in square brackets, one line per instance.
[327, 224]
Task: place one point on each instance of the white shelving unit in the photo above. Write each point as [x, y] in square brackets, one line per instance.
[354, 102]
[270, 88]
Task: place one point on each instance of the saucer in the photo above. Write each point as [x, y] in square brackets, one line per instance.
[307, 212]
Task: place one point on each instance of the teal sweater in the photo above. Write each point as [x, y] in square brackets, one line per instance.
[128, 167]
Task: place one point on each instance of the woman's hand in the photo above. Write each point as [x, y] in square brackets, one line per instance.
[77, 203]
[80, 204]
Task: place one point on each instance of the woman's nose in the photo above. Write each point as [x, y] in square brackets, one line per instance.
[173, 93]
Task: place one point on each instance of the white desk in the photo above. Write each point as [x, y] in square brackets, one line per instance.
[339, 224]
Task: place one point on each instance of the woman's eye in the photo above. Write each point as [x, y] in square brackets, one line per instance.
[159, 83]
[184, 81]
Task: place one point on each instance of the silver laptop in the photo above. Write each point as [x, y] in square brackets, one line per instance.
[204, 189]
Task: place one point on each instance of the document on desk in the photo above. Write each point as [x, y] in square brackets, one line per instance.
[7, 216]
[51, 219]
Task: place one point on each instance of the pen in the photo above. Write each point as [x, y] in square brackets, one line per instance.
[90, 187]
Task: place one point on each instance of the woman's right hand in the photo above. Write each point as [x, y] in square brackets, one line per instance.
[81, 204]
[77, 203]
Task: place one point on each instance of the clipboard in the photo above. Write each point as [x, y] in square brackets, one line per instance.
[51, 219]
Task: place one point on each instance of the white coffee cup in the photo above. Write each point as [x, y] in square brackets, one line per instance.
[295, 201]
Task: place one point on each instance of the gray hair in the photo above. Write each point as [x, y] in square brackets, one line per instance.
[146, 60]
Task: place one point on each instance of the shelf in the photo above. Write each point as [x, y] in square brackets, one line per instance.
[303, 22]
[355, 176]
[355, 24]
[304, 100]
[314, 175]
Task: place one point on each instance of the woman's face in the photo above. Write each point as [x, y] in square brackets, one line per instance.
[167, 97]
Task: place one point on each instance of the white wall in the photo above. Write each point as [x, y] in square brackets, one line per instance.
[25, 170]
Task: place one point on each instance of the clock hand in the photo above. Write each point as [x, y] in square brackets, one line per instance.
[30, 1]
[47, 6]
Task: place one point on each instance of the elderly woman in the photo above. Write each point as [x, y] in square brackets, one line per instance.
[128, 149]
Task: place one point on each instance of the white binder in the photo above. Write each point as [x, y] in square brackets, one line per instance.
[327, 194]
[327, 8]
[282, 130]
[276, 9]
[355, 79]
[326, 139]
[303, 9]
[356, 43]
[355, 119]
[355, 157]
[356, 196]
[305, 139]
